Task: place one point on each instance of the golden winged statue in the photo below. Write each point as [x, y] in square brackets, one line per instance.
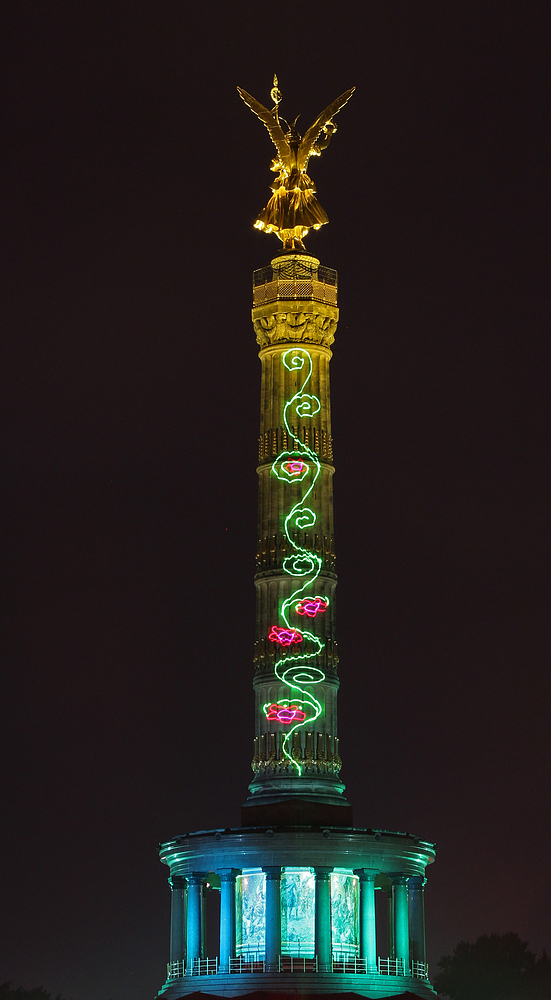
[293, 208]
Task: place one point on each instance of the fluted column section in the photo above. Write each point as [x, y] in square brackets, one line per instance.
[227, 916]
[177, 894]
[368, 926]
[194, 918]
[389, 925]
[400, 920]
[323, 918]
[304, 327]
[204, 893]
[416, 899]
[273, 918]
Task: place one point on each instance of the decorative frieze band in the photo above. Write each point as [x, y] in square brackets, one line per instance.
[276, 439]
[290, 327]
[318, 753]
[272, 549]
[265, 654]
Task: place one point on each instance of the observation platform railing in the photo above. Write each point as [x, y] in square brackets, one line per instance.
[296, 280]
[200, 967]
[255, 963]
[349, 965]
[397, 967]
[250, 962]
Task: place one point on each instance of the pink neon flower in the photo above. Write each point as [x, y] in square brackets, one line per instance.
[285, 636]
[285, 714]
[311, 606]
[294, 467]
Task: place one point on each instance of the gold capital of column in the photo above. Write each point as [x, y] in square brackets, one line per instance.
[316, 326]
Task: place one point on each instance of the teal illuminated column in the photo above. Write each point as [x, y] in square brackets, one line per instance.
[194, 919]
[204, 893]
[273, 918]
[322, 926]
[227, 916]
[390, 924]
[368, 927]
[177, 895]
[296, 681]
[400, 921]
[416, 898]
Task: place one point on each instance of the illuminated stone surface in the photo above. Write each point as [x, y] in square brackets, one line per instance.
[299, 885]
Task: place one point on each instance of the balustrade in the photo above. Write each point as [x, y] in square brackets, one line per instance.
[349, 965]
[252, 962]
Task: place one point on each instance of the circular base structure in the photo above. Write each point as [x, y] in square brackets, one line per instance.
[303, 984]
[298, 912]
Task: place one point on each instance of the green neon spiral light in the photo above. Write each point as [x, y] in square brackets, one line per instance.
[301, 465]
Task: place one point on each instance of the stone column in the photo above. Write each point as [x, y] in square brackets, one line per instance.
[416, 899]
[400, 920]
[194, 918]
[178, 887]
[227, 916]
[273, 918]
[368, 926]
[204, 893]
[389, 925]
[323, 919]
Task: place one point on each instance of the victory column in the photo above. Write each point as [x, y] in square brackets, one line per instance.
[298, 882]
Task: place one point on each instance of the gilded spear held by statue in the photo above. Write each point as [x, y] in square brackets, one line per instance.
[293, 208]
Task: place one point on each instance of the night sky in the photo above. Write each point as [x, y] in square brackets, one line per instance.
[132, 175]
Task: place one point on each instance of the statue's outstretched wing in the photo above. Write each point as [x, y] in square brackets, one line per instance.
[274, 128]
[315, 129]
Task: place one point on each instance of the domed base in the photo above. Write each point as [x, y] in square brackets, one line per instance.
[275, 985]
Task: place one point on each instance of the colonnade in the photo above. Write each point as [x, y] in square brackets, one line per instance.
[406, 918]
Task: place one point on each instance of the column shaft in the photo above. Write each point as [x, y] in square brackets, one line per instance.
[273, 918]
[178, 888]
[227, 917]
[204, 893]
[323, 919]
[416, 897]
[368, 926]
[194, 919]
[400, 919]
[389, 925]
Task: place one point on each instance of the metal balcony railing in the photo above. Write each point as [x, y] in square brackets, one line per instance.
[249, 963]
[297, 963]
[392, 967]
[419, 970]
[350, 965]
[255, 962]
[200, 967]
[174, 970]
[298, 280]
[397, 967]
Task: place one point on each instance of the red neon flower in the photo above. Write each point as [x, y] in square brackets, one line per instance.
[311, 606]
[294, 467]
[285, 636]
[285, 714]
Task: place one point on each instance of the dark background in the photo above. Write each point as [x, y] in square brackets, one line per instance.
[132, 175]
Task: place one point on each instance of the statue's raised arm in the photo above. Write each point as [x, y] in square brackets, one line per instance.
[293, 208]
